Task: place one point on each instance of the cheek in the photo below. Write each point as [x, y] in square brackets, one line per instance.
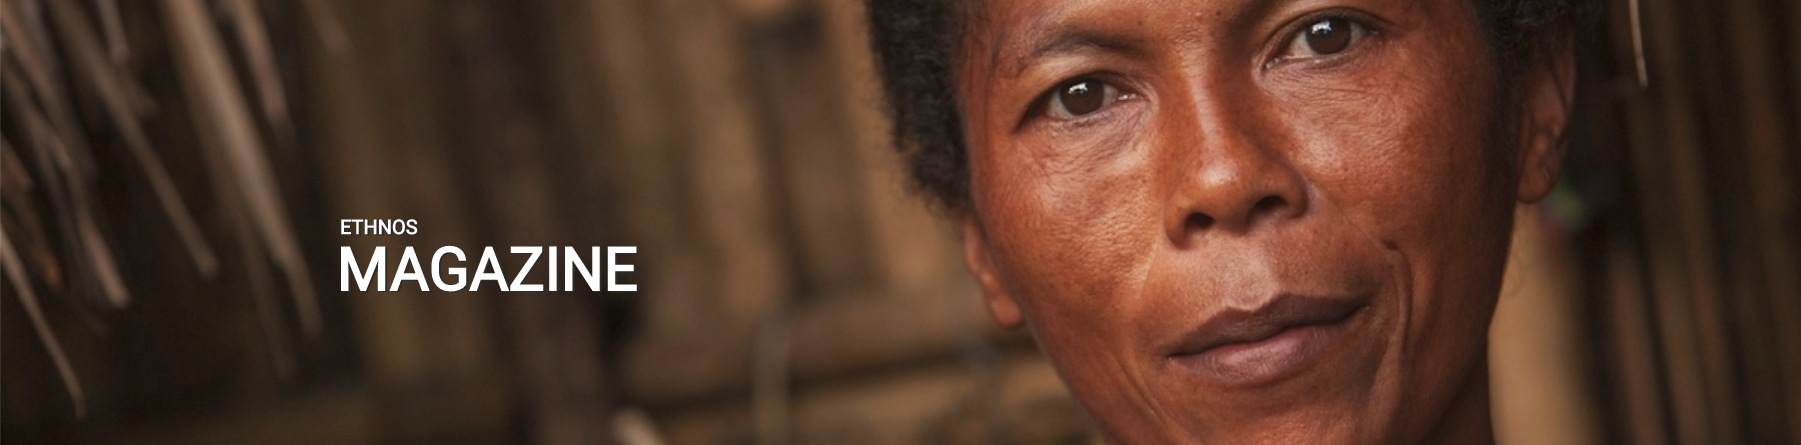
[1413, 163]
[1073, 236]
[1403, 143]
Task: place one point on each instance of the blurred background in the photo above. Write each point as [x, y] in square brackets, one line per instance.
[175, 172]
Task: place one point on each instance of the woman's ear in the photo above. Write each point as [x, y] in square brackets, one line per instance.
[1550, 89]
[1001, 305]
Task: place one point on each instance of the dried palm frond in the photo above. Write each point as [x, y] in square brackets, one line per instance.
[64, 75]
[9, 261]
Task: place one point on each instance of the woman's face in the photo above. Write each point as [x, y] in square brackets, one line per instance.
[1237, 221]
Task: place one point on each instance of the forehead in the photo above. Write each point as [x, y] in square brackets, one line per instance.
[1003, 35]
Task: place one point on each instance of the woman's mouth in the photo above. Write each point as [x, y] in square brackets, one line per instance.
[1279, 339]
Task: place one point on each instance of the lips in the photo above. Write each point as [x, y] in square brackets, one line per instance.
[1281, 338]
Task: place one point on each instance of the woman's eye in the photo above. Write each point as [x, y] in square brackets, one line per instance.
[1325, 37]
[1080, 97]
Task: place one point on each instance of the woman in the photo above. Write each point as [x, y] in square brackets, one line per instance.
[1240, 221]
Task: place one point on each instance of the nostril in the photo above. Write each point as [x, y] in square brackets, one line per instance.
[1268, 205]
[1199, 221]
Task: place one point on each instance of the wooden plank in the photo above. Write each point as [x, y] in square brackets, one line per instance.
[793, 75]
[363, 134]
[1697, 351]
[841, 335]
[1640, 403]
[1765, 282]
[726, 174]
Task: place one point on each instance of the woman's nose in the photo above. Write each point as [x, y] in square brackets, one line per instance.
[1232, 175]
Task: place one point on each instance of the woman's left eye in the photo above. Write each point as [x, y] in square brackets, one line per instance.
[1324, 37]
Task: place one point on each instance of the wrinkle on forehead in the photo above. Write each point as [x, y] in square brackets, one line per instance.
[1047, 31]
[1013, 42]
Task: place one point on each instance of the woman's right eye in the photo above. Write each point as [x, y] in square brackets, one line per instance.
[1081, 97]
[1325, 37]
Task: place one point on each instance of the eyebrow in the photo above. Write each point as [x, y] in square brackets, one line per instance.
[1061, 39]
[1053, 34]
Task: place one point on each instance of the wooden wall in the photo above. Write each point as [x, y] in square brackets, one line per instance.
[790, 289]
[1695, 128]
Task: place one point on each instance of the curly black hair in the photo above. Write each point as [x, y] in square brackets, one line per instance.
[915, 43]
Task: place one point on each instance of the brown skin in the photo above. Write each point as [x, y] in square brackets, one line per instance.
[1231, 170]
